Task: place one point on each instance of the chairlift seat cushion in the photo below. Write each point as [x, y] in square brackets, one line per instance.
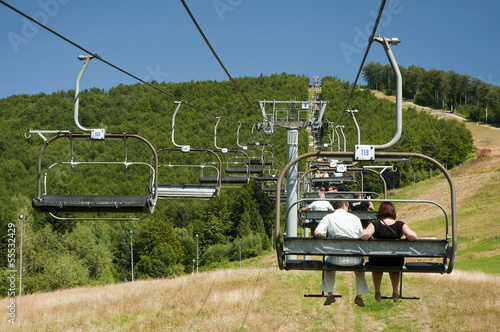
[329, 194]
[92, 203]
[413, 267]
[224, 179]
[365, 216]
[243, 170]
[187, 190]
[266, 178]
[258, 162]
[425, 267]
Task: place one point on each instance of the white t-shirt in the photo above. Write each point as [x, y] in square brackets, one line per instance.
[341, 224]
[321, 206]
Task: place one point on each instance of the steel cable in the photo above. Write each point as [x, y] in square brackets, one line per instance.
[370, 41]
[97, 56]
[217, 57]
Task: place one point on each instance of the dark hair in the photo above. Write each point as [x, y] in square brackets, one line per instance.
[338, 204]
[356, 195]
[386, 210]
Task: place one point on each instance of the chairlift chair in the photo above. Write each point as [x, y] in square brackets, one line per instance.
[426, 250]
[64, 203]
[53, 204]
[190, 190]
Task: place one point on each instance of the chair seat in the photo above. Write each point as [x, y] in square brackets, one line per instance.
[92, 203]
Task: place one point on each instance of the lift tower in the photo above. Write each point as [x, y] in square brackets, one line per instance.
[292, 115]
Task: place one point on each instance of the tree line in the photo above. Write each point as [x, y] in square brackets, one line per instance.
[63, 253]
[477, 100]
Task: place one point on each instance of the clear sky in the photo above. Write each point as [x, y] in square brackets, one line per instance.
[156, 40]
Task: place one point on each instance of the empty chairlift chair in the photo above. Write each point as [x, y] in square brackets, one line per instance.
[56, 203]
[181, 189]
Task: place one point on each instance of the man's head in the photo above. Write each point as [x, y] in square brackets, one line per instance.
[340, 203]
[356, 195]
[321, 195]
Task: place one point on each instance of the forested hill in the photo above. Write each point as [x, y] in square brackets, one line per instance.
[60, 254]
[477, 100]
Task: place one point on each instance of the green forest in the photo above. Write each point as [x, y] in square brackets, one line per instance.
[477, 100]
[68, 253]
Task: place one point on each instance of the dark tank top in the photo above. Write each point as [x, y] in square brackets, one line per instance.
[387, 232]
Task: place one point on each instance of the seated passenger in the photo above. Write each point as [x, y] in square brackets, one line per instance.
[343, 187]
[361, 206]
[319, 205]
[386, 227]
[342, 224]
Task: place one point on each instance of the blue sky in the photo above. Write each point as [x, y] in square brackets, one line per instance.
[156, 40]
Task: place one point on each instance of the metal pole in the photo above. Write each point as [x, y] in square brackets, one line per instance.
[132, 255]
[272, 241]
[193, 267]
[291, 183]
[196, 253]
[240, 253]
[21, 254]
[386, 42]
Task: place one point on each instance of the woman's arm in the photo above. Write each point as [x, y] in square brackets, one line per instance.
[410, 235]
[368, 232]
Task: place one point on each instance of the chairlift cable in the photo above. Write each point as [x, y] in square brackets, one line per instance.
[97, 56]
[370, 41]
[217, 57]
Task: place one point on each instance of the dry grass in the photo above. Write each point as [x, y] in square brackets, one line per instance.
[264, 299]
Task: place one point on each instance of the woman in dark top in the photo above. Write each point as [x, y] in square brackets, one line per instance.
[386, 227]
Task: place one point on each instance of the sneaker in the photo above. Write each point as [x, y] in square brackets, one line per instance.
[329, 300]
[359, 301]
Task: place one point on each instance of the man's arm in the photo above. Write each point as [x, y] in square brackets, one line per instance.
[368, 232]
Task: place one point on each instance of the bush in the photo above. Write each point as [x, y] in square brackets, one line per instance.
[161, 263]
[64, 271]
[218, 253]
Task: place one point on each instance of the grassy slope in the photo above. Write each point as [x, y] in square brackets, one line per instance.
[259, 297]
[477, 184]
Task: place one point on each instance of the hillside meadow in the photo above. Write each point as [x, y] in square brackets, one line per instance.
[264, 299]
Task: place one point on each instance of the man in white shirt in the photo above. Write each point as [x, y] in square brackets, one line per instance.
[319, 205]
[342, 224]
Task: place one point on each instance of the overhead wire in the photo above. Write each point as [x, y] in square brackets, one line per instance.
[217, 57]
[370, 41]
[97, 56]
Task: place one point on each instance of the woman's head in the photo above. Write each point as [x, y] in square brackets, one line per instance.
[386, 210]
